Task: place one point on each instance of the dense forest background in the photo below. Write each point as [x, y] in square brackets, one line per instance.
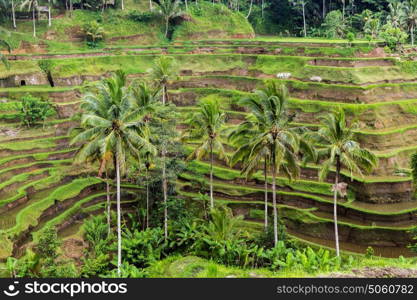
[283, 17]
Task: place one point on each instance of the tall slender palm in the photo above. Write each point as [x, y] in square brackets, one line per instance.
[206, 125]
[163, 70]
[396, 14]
[31, 5]
[410, 13]
[301, 5]
[13, 13]
[282, 140]
[241, 137]
[146, 101]
[169, 9]
[338, 149]
[111, 125]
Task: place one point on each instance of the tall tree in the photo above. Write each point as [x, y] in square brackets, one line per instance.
[169, 9]
[283, 140]
[205, 125]
[147, 102]
[410, 12]
[162, 71]
[338, 148]
[396, 14]
[241, 138]
[13, 14]
[111, 126]
[301, 5]
[31, 5]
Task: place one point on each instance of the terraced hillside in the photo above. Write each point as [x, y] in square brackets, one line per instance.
[40, 186]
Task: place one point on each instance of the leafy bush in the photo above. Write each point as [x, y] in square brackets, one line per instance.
[34, 110]
[48, 244]
[141, 17]
[334, 25]
[94, 33]
[141, 248]
[393, 37]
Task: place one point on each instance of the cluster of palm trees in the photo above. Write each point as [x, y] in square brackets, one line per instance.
[268, 138]
[115, 128]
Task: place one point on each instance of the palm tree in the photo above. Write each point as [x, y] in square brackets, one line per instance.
[111, 125]
[338, 148]
[162, 71]
[206, 125]
[396, 14]
[343, 8]
[31, 5]
[273, 131]
[169, 9]
[301, 4]
[13, 14]
[146, 101]
[410, 13]
[241, 137]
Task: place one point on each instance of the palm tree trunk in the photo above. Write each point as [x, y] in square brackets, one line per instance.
[164, 93]
[166, 27]
[250, 9]
[336, 181]
[70, 8]
[34, 20]
[165, 192]
[123, 5]
[49, 13]
[119, 222]
[274, 199]
[343, 14]
[13, 15]
[186, 5]
[412, 35]
[108, 204]
[324, 9]
[147, 198]
[150, 4]
[304, 19]
[211, 175]
[262, 8]
[266, 196]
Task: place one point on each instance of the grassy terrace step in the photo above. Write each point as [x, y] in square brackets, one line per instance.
[299, 67]
[222, 173]
[384, 173]
[5, 173]
[28, 217]
[55, 175]
[343, 93]
[31, 157]
[42, 143]
[371, 115]
[355, 209]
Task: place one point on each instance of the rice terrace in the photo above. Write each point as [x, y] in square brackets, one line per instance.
[175, 138]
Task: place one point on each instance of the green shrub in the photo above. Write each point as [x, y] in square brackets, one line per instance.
[393, 37]
[94, 33]
[141, 17]
[334, 25]
[142, 248]
[34, 110]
